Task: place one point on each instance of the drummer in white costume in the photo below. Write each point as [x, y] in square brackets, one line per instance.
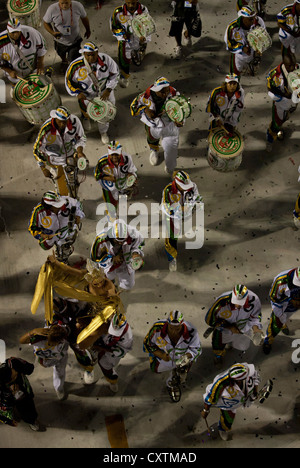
[234, 388]
[234, 317]
[59, 138]
[91, 75]
[22, 51]
[113, 171]
[50, 346]
[111, 342]
[226, 103]
[115, 249]
[130, 47]
[288, 22]
[242, 54]
[149, 106]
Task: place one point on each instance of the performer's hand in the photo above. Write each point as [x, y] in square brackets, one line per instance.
[57, 34]
[247, 50]
[81, 96]
[105, 95]
[47, 173]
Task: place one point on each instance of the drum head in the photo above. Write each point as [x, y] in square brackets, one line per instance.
[136, 263]
[259, 39]
[224, 145]
[101, 111]
[31, 92]
[143, 25]
[178, 108]
[82, 163]
[23, 7]
[130, 180]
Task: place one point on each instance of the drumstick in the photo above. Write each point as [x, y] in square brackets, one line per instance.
[226, 131]
[50, 236]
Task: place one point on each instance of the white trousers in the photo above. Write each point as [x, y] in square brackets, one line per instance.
[288, 41]
[169, 135]
[124, 274]
[242, 60]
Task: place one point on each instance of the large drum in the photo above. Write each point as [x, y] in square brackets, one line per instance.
[35, 99]
[259, 39]
[26, 11]
[294, 85]
[224, 151]
[101, 111]
[178, 108]
[143, 25]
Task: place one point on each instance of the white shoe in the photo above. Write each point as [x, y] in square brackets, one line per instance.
[104, 138]
[225, 435]
[167, 171]
[173, 265]
[153, 157]
[296, 221]
[89, 377]
[178, 52]
[86, 123]
[114, 387]
[35, 426]
[60, 394]
[123, 82]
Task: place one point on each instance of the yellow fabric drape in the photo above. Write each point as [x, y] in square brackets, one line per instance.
[53, 277]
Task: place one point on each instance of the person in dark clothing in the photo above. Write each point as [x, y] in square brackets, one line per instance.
[16, 394]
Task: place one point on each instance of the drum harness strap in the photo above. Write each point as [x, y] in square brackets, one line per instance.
[91, 74]
[22, 56]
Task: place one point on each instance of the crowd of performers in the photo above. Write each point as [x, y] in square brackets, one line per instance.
[83, 303]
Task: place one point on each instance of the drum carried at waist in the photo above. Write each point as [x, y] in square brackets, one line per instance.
[143, 25]
[35, 99]
[101, 111]
[225, 151]
[178, 108]
[26, 11]
[259, 39]
[294, 85]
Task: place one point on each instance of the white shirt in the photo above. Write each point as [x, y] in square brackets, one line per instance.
[32, 45]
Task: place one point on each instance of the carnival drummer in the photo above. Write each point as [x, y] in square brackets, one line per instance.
[113, 171]
[283, 100]
[59, 138]
[236, 387]
[235, 318]
[49, 222]
[179, 198]
[93, 74]
[289, 33]
[149, 106]
[226, 103]
[173, 345]
[118, 250]
[22, 51]
[242, 55]
[130, 47]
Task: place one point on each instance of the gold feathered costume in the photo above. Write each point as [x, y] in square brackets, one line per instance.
[58, 277]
